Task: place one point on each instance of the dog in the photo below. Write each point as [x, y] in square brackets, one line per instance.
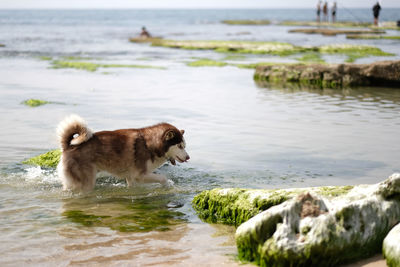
[130, 154]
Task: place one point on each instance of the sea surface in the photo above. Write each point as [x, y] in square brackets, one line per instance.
[238, 133]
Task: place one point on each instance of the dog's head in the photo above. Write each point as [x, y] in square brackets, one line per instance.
[175, 144]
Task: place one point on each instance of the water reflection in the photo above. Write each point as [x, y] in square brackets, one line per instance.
[380, 96]
[129, 213]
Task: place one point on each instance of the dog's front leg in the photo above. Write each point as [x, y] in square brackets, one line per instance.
[154, 178]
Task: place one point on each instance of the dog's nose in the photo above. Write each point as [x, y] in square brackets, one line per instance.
[187, 157]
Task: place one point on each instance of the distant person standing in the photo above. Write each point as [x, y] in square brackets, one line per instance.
[376, 9]
[319, 11]
[325, 11]
[333, 11]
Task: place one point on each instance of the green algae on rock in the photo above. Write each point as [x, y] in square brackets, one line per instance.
[89, 66]
[35, 102]
[246, 22]
[333, 32]
[391, 247]
[206, 63]
[49, 159]
[272, 48]
[311, 57]
[244, 47]
[340, 24]
[234, 206]
[353, 51]
[372, 37]
[312, 230]
[383, 73]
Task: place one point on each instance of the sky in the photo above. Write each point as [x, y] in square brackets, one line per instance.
[115, 4]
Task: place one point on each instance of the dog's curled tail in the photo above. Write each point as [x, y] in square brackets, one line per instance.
[73, 131]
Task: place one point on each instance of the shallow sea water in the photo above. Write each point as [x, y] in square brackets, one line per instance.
[238, 133]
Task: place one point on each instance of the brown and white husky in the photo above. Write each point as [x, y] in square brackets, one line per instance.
[131, 154]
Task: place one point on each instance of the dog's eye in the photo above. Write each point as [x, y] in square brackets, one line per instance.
[180, 146]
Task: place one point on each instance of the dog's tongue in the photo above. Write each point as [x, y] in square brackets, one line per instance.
[172, 161]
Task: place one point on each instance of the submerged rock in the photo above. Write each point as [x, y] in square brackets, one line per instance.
[383, 73]
[333, 32]
[372, 36]
[340, 24]
[391, 247]
[315, 230]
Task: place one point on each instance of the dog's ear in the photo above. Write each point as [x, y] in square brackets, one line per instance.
[169, 135]
[182, 132]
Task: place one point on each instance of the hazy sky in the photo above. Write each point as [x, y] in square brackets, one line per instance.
[185, 3]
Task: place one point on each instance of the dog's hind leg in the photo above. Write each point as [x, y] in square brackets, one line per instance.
[77, 177]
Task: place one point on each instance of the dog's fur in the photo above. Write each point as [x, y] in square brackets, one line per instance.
[131, 154]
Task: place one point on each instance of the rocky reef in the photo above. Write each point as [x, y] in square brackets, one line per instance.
[383, 73]
[322, 226]
[372, 36]
[246, 22]
[271, 48]
[333, 32]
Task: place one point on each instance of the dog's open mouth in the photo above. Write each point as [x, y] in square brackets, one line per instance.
[173, 162]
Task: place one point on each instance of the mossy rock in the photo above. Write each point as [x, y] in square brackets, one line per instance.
[234, 206]
[384, 73]
[391, 247]
[372, 37]
[49, 159]
[312, 230]
[273, 48]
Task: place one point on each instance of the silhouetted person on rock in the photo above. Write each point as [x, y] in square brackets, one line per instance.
[319, 11]
[376, 9]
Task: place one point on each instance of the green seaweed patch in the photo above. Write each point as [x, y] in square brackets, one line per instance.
[77, 58]
[234, 57]
[311, 57]
[137, 215]
[241, 47]
[49, 159]
[354, 52]
[45, 58]
[35, 102]
[89, 66]
[246, 22]
[206, 63]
